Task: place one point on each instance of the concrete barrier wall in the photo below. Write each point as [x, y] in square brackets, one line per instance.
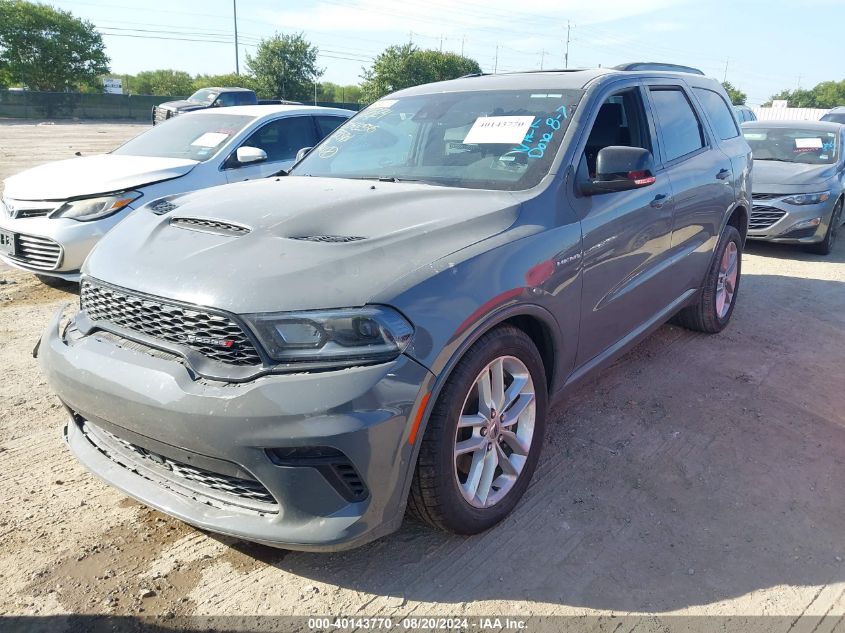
[25, 104]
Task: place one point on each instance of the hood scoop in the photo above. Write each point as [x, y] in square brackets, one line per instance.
[210, 226]
[329, 239]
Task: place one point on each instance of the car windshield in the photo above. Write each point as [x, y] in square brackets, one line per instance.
[834, 117]
[204, 96]
[793, 145]
[502, 140]
[193, 136]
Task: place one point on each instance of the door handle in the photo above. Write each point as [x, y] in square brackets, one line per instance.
[659, 200]
[723, 174]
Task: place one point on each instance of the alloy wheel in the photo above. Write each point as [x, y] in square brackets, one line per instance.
[726, 284]
[494, 432]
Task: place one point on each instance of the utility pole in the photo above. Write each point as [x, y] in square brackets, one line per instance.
[725, 78]
[542, 57]
[566, 54]
[463, 40]
[235, 13]
[496, 62]
[410, 37]
[441, 42]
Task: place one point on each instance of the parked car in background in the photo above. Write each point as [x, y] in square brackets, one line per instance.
[744, 113]
[836, 115]
[799, 179]
[51, 216]
[285, 360]
[202, 99]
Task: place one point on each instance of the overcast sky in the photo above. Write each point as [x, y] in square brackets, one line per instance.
[767, 45]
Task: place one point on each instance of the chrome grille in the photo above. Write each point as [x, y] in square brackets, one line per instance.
[763, 217]
[248, 493]
[209, 226]
[37, 252]
[215, 336]
[161, 114]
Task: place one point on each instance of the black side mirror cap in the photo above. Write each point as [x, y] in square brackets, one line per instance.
[620, 168]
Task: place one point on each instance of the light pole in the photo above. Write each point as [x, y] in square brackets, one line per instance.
[235, 14]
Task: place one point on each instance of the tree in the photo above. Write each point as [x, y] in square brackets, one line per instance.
[736, 95]
[827, 94]
[405, 66]
[285, 67]
[164, 82]
[48, 49]
[229, 80]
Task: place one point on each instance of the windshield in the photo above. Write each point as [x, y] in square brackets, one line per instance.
[193, 136]
[835, 117]
[503, 140]
[793, 145]
[204, 96]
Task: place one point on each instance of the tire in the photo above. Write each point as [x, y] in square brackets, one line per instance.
[705, 315]
[826, 245]
[438, 496]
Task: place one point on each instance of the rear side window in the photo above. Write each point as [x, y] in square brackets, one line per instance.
[283, 138]
[326, 125]
[681, 129]
[719, 113]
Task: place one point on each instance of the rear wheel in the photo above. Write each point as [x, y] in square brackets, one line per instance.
[826, 245]
[484, 435]
[717, 298]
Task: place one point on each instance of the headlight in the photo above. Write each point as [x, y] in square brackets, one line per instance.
[333, 338]
[808, 198]
[89, 209]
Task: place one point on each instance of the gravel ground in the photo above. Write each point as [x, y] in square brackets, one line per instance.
[699, 475]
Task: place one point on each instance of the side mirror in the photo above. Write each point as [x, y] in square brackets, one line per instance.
[247, 155]
[303, 153]
[620, 168]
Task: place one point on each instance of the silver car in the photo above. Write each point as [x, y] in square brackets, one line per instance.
[799, 180]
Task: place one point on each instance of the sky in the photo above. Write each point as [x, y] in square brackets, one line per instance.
[760, 46]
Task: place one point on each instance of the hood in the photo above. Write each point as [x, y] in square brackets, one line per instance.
[287, 259]
[788, 177]
[182, 105]
[92, 175]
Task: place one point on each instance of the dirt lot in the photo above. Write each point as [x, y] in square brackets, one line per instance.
[699, 475]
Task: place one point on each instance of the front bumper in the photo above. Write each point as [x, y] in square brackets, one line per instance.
[74, 241]
[784, 229]
[154, 402]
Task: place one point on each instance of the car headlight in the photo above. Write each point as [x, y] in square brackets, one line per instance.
[88, 209]
[808, 198]
[333, 338]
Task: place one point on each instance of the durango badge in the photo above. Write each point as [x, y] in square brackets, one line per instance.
[207, 340]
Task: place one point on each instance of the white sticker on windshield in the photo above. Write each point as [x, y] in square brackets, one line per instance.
[499, 129]
[808, 143]
[210, 139]
[755, 136]
[384, 103]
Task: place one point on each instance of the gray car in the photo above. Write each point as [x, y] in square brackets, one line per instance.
[799, 182]
[294, 360]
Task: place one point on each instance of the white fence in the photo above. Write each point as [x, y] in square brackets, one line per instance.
[789, 114]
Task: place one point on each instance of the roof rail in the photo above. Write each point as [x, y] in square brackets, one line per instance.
[672, 68]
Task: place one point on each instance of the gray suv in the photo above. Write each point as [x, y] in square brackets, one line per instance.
[294, 360]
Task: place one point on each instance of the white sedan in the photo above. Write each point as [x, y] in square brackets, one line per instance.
[52, 216]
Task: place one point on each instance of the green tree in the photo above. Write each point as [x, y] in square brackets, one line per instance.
[164, 82]
[285, 67]
[405, 66]
[736, 95]
[229, 80]
[827, 94]
[49, 49]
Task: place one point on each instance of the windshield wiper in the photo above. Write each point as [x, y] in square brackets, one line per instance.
[779, 160]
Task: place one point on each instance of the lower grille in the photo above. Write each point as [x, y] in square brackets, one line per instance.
[38, 252]
[764, 217]
[215, 336]
[201, 484]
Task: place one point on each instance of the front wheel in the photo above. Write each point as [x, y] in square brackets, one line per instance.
[826, 245]
[484, 435]
[717, 298]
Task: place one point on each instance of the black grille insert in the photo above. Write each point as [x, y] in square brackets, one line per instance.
[331, 463]
[239, 491]
[215, 336]
[163, 206]
[330, 239]
[763, 217]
